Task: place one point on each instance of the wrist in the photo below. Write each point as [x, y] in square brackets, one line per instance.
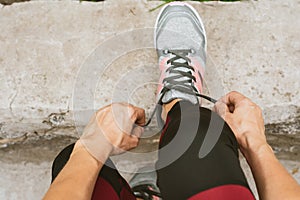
[100, 151]
[81, 153]
[252, 141]
[257, 151]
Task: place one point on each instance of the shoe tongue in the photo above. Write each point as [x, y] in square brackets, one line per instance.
[179, 60]
[182, 78]
[182, 69]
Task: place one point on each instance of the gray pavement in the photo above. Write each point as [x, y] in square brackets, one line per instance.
[51, 51]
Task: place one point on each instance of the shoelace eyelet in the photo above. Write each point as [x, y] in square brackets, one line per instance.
[165, 51]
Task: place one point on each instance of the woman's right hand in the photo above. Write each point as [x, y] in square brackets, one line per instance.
[244, 118]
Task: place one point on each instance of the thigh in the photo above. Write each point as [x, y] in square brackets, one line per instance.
[188, 174]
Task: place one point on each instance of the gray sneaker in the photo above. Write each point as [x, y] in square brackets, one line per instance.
[180, 41]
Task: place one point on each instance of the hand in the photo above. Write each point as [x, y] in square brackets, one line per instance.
[112, 130]
[244, 118]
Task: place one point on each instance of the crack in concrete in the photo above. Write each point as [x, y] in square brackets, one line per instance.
[284, 128]
[11, 103]
[4, 142]
[38, 135]
[14, 83]
[1, 127]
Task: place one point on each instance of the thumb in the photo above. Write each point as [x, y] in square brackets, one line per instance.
[222, 109]
[137, 131]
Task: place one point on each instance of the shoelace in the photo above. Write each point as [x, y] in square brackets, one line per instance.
[145, 192]
[173, 82]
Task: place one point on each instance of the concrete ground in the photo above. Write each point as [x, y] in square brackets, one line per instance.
[60, 60]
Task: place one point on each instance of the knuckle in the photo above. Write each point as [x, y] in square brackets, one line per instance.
[246, 101]
[135, 141]
[233, 92]
[130, 109]
[134, 114]
[102, 112]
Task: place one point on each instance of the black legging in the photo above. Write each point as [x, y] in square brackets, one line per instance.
[189, 174]
[181, 171]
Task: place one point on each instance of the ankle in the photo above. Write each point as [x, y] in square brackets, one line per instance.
[167, 107]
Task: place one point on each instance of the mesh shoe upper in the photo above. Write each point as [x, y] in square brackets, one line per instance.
[181, 46]
[179, 26]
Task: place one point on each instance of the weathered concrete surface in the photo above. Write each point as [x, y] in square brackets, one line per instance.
[253, 47]
[26, 169]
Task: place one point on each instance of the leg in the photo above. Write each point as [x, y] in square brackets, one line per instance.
[189, 175]
[110, 184]
[183, 169]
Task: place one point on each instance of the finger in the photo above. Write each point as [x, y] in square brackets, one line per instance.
[139, 116]
[128, 142]
[221, 108]
[234, 98]
[137, 131]
[132, 141]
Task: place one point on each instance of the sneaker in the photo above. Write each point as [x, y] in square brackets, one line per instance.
[143, 184]
[180, 41]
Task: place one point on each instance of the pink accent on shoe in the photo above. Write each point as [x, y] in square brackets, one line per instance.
[163, 67]
[198, 68]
